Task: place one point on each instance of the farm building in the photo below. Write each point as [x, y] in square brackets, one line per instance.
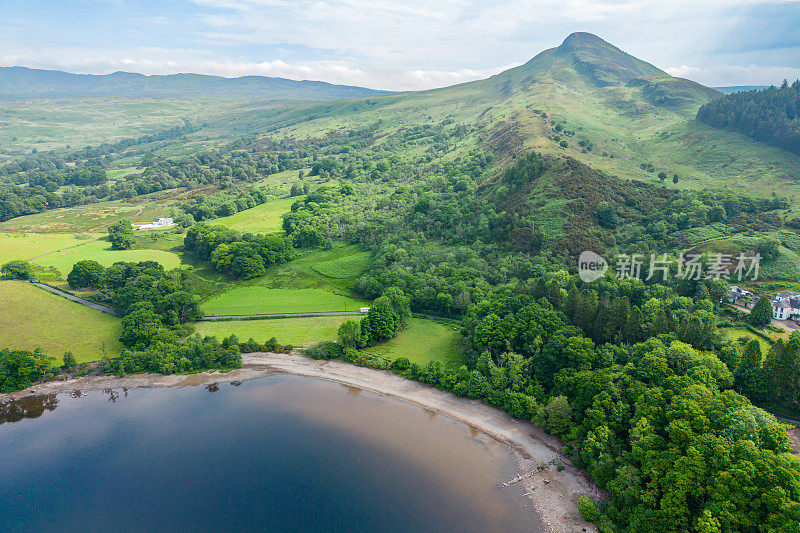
[786, 305]
[158, 223]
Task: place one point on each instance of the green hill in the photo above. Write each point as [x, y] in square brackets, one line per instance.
[21, 82]
[612, 111]
[585, 98]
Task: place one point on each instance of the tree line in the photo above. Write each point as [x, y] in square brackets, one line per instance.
[770, 116]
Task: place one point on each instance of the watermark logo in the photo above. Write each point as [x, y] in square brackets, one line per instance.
[591, 266]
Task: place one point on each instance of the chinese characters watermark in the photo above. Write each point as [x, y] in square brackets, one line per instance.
[592, 266]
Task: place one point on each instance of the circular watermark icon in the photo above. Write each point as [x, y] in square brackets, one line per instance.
[591, 266]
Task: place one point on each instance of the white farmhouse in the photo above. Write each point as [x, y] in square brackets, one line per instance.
[786, 305]
[158, 223]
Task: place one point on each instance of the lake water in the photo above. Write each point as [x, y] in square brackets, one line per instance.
[281, 453]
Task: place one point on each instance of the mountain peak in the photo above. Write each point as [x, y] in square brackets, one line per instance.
[602, 62]
[581, 39]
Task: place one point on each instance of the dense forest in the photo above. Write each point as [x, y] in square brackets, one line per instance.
[632, 374]
[771, 116]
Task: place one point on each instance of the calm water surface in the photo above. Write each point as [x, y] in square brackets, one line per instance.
[282, 453]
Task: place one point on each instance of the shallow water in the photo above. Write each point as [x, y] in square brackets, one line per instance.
[282, 453]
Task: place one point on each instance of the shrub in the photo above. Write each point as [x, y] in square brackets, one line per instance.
[588, 509]
[325, 350]
[250, 346]
[17, 269]
[271, 344]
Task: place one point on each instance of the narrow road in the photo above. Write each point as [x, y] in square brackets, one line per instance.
[76, 299]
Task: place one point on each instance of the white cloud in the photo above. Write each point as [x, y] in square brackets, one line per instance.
[390, 44]
[170, 61]
[728, 75]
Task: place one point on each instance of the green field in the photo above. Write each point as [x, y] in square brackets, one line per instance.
[734, 334]
[119, 173]
[101, 252]
[264, 218]
[295, 286]
[33, 318]
[313, 269]
[284, 180]
[422, 341]
[294, 331]
[347, 266]
[254, 299]
[30, 245]
[85, 218]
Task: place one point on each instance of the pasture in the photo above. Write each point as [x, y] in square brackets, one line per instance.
[255, 299]
[284, 180]
[30, 245]
[264, 218]
[33, 318]
[344, 266]
[294, 331]
[100, 251]
[85, 218]
[324, 269]
[734, 334]
[424, 340]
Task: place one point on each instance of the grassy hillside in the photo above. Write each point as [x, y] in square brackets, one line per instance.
[86, 218]
[294, 331]
[101, 252]
[265, 218]
[422, 341]
[613, 111]
[33, 318]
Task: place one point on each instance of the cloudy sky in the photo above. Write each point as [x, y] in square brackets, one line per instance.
[396, 44]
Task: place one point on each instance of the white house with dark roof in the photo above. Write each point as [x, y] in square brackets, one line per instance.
[158, 223]
[786, 305]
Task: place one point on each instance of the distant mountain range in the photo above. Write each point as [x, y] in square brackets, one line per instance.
[739, 88]
[22, 82]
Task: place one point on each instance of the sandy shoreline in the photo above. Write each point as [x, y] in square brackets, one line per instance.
[553, 494]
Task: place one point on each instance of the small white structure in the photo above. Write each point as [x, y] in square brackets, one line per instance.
[364, 310]
[158, 223]
[786, 305]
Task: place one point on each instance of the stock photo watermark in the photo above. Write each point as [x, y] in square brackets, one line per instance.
[592, 266]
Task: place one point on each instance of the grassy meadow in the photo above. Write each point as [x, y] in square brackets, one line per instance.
[100, 251]
[295, 331]
[343, 267]
[85, 218]
[424, 340]
[30, 245]
[34, 318]
[293, 287]
[264, 218]
[254, 299]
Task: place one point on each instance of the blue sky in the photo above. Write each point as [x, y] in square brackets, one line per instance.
[396, 44]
